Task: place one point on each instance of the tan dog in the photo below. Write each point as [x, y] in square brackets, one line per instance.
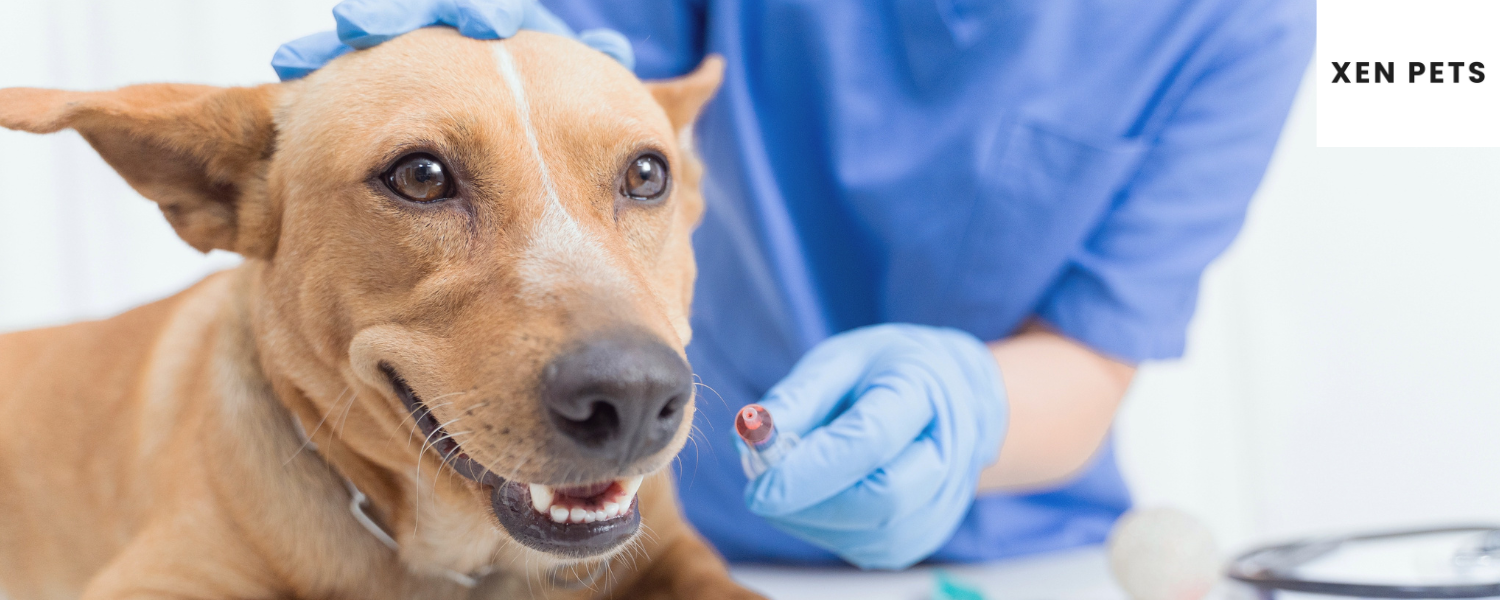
[465, 298]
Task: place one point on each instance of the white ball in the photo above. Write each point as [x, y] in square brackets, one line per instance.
[1164, 554]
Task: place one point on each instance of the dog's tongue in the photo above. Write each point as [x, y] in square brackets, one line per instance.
[584, 491]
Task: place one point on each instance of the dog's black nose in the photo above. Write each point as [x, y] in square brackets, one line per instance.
[620, 396]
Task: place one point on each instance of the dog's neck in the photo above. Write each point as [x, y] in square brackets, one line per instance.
[264, 411]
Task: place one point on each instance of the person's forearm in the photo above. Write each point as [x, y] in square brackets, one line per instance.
[1063, 397]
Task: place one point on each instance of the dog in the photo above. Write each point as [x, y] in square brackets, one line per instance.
[450, 366]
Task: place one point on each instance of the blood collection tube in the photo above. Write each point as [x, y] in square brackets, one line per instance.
[767, 446]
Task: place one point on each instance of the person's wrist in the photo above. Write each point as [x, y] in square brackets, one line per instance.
[990, 402]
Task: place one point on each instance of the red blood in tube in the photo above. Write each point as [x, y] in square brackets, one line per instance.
[754, 424]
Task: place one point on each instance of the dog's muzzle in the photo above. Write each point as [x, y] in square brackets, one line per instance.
[569, 521]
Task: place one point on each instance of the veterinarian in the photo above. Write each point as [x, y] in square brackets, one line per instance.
[940, 236]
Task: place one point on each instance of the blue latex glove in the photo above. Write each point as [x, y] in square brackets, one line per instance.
[366, 23]
[896, 423]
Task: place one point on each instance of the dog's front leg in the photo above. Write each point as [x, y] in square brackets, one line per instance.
[181, 560]
[680, 565]
[687, 568]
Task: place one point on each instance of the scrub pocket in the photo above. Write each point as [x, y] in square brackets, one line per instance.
[1046, 193]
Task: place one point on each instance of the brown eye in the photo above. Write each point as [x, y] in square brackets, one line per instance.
[419, 178]
[646, 177]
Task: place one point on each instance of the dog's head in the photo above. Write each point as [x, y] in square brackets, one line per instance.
[471, 262]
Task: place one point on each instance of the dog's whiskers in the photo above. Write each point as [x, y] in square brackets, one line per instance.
[412, 414]
[344, 419]
[699, 383]
[446, 459]
[430, 441]
[417, 520]
[308, 440]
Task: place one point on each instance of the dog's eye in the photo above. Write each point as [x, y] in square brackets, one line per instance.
[419, 178]
[646, 177]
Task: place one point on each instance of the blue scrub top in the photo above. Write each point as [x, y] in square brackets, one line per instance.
[962, 163]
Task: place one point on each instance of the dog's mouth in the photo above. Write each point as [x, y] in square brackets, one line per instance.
[575, 521]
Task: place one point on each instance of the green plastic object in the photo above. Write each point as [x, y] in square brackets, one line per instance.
[945, 587]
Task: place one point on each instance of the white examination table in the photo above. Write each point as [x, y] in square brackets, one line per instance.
[1081, 574]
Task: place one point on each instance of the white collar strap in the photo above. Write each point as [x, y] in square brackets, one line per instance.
[358, 503]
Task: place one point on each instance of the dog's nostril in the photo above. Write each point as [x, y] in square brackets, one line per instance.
[602, 422]
[669, 409]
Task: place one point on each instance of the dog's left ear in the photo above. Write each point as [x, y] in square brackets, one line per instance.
[200, 152]
[683, 97]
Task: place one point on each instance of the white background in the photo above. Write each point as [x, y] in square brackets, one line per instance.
[1340, 373]
[1402, 114]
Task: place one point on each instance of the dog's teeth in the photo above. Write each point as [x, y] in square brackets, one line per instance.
[541, 498]
[631, 485]
[628, 489]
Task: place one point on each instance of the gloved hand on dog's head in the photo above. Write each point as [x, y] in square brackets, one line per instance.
[366, 23]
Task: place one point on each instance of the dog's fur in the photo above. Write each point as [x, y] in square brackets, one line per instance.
[157, 454]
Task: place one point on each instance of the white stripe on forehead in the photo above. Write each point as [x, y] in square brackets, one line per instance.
[513, 81]
[559, 251]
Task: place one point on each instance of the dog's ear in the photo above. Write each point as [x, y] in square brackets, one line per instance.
[198, 151]
[683, 97]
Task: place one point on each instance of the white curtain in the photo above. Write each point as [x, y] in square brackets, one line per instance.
[1340, 372]
[75, 241]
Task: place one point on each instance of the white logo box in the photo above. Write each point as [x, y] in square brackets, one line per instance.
[1458, 112]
